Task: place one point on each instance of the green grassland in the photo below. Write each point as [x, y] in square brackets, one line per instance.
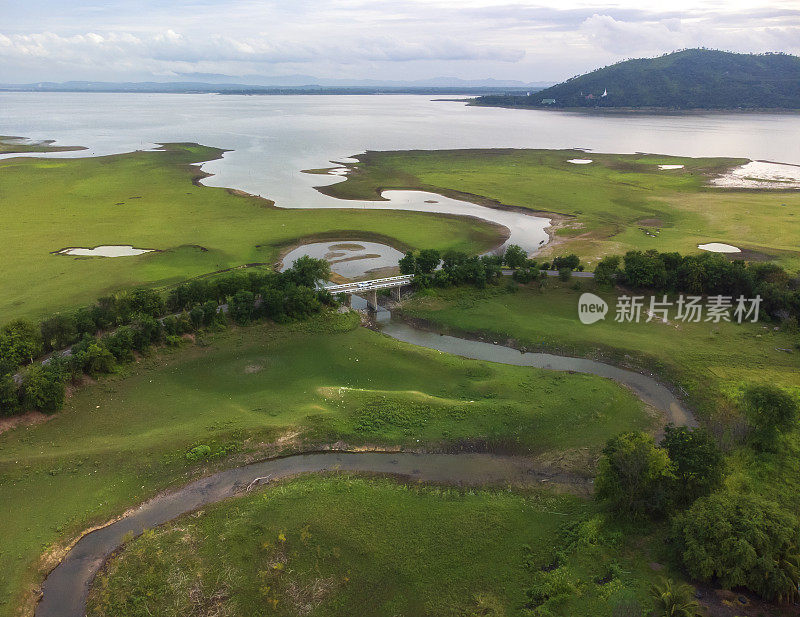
[148, 200]
[123, 439]
[341, 546]
[616, 201]
[708, 362]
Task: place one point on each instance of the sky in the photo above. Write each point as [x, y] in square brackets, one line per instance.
[529, 41]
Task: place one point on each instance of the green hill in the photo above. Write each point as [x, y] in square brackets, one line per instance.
[688, 79]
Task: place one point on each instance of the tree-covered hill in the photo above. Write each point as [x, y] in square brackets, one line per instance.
[688, 79]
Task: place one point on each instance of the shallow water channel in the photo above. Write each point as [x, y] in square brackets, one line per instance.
[66, 588]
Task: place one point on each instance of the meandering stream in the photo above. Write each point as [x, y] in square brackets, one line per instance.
[65, 590]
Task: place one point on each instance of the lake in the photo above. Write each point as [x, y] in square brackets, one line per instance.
[273, 138]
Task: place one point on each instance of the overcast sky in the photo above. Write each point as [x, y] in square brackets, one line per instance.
[528, 40]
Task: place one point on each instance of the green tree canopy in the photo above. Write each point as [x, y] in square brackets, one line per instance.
[697, 462]
[740, 540]
[634, 476]
[770, 412]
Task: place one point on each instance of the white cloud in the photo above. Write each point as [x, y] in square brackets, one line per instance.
[391, 39]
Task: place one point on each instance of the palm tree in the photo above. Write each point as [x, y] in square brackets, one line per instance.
[674, 599]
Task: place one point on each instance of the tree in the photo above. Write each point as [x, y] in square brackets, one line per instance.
[9, 396]
[607, 270]
[570, 262]
[770, 411]
[697, 462]
[674, 599]
[198, 316]
[408, 263]
[308, 271]
[43, 388]
[515, 256]
[740, 540]
[634, 476]
[564, 274]
[20, 341]
[427, 261]
[98, 360]
[58, 331]
[241, 307]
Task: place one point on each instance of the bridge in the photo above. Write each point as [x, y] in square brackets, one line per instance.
[369, 289]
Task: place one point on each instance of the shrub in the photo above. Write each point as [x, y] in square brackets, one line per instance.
[674, 599]
[740, 540]
[198, 452]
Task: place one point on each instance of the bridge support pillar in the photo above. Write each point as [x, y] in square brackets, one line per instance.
[348, 300]
[396, 293]
[372, 300]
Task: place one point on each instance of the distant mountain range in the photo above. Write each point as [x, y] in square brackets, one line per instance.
[290, 84]
[688, 79]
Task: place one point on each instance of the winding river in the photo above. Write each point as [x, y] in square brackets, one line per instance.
[66, 588]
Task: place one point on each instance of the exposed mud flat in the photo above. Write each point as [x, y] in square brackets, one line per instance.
[107, 250]
[349, 259]
[719, 247]
[760, 175]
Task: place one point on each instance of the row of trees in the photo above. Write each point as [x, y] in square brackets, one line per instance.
[708, 273]
[291, 295]
[432, 268]
[736, 539]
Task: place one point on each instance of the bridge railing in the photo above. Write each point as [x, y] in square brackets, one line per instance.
[382, 283]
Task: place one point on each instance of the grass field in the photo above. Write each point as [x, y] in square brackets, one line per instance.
[148, 200]
[342, 546]
[710, 362]
[121, 440]
[619, 202]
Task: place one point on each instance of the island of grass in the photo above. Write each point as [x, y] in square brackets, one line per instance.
[245, 394]
[152, 200]
[343, 545]
[615, 203]
[20, 145]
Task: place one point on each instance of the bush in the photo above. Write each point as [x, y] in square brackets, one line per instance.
[634, 476]
[198, 452]
[674, 599]
[770, 411]
[564, 274]
[740, 541]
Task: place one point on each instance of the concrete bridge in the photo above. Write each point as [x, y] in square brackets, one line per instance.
[369, 289]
